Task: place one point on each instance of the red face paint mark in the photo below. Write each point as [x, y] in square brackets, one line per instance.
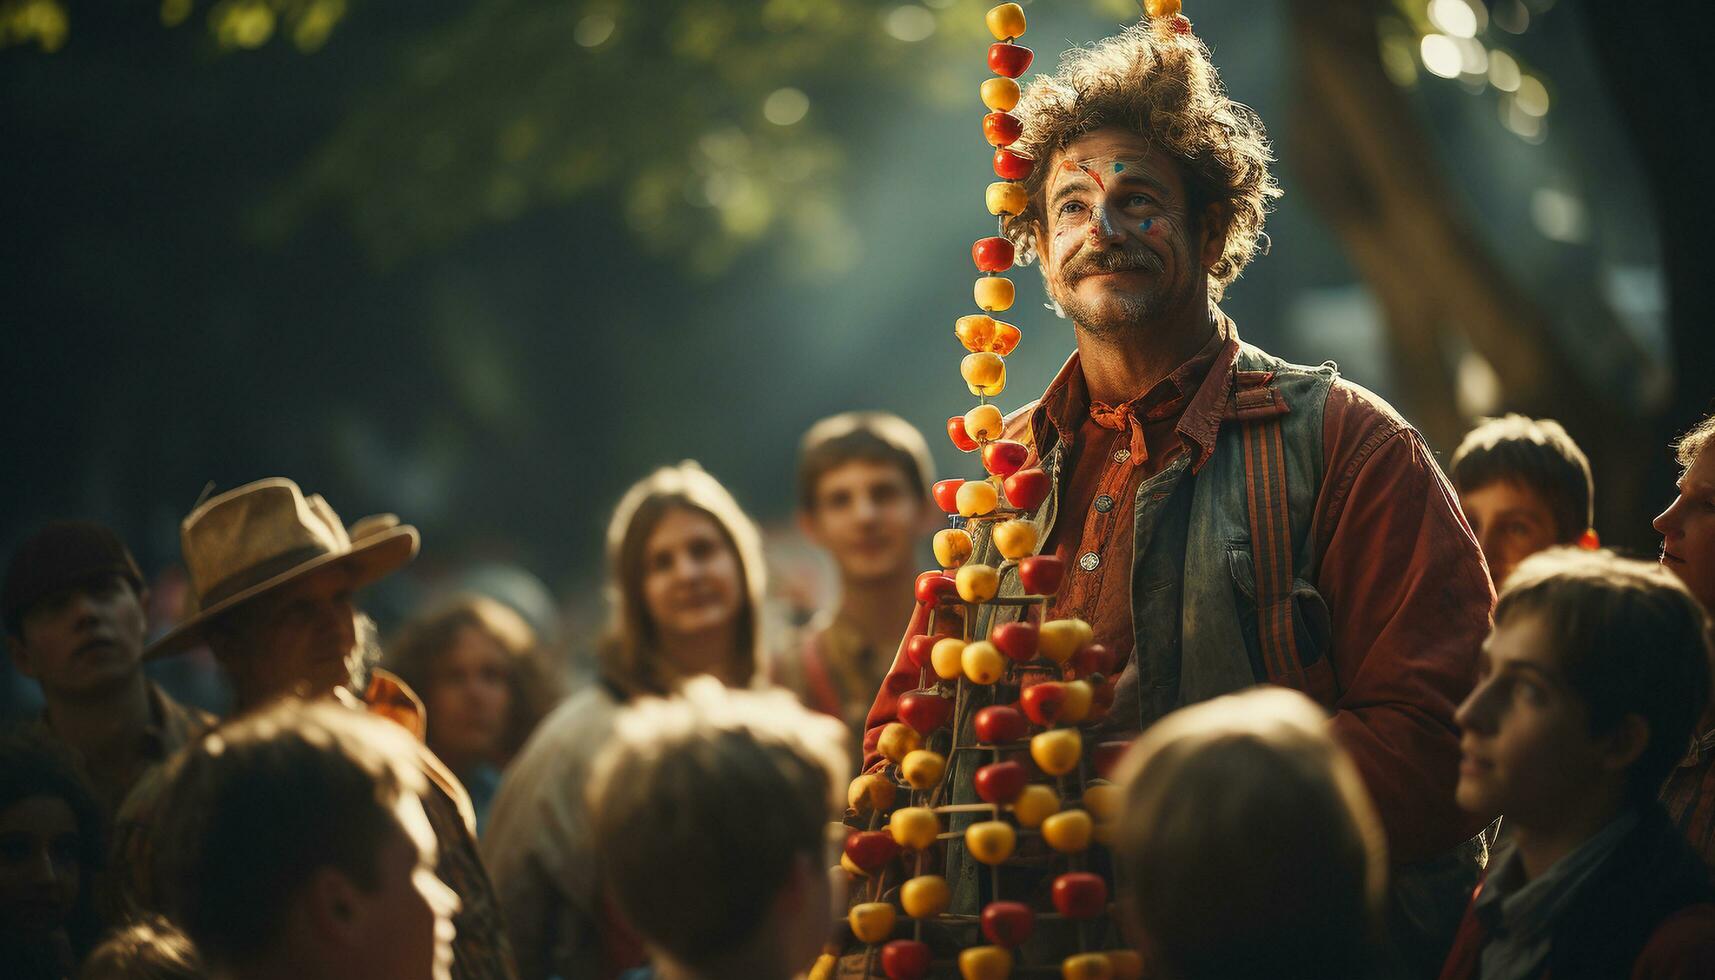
[1095, 177]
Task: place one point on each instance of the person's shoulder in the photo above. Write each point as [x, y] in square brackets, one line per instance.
[1362, 408]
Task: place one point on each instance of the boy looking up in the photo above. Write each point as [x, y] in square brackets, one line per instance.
[1587, 692]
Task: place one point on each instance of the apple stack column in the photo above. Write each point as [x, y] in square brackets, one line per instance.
[988, 781]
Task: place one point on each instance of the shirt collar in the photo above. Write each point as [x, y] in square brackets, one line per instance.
[1206, 379]
[1520, 911]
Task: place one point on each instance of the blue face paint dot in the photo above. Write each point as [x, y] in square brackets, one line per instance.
[1146, 224]
[1119, 168]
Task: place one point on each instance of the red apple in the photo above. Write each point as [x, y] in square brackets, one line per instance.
[1016, 640]
[992, 254]
[1011, 60]
[1080, 895]
[1026, 489]
[1093, 658]
[1003, 457]
[1042, 702]
[1008, 923]
[999, 782]
[946, 492]
[917, 650]
[1107, 755]
[999, 723]
[1002, 128]
[924, 710]
[1041, 574]
[935, 586]
[956, 432]
[870, 849]
[1012, 166]
[905, 959]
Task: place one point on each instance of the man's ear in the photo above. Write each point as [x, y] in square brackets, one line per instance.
[336, 908]
[1625, 743]
[1213, 225]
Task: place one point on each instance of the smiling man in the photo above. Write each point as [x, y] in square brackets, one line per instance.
[1228, 518]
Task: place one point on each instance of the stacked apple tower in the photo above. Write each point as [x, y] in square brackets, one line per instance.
[987, 755]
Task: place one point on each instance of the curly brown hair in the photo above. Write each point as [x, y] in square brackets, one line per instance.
[1161, 84]
[534, 685]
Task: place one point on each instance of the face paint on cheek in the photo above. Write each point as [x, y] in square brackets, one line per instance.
[1147, 226]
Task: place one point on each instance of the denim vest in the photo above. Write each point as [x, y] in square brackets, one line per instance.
[1193, 587]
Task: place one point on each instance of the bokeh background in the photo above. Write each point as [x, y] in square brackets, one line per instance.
[484, 262]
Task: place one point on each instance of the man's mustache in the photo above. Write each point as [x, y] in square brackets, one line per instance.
[1115, 260]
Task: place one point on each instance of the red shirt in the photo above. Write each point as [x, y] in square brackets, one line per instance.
[1404, 580]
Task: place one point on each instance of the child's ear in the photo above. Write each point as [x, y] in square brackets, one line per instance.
[1626, 742]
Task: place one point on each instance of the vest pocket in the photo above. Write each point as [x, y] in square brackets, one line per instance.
[1312, 630]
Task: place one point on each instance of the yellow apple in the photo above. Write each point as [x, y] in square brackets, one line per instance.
[869, 792]
[977, 583]
[983, 423]
[1127, 964]
[1056, 752]
[994, 387]
[925, 896]
[1036, 804]
[994, 294]
[897, 741]
[976, 331]
[1087, 966]
[976, 498]
[983, 663]
[990, 841]
[946, 657]
[982, 369]
[871, 922]
[1060, 638]
[1015, 538]
[985, 963]
[823, 968]
[1076, 706]
[1000, 94]
[1005, 197]
[923, 768]
[1068, 831]
[1005, 21]
[915, 827]
[952, 546]
[1103, 801]
[852, 869]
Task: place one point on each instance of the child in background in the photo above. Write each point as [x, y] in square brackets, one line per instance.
[713, 809]
[1587, 692]
[1524, 486]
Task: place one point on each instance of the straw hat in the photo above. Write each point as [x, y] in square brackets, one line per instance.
[266, 534]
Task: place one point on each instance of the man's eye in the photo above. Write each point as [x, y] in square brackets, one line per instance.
[1071, 207]
[1139, 200]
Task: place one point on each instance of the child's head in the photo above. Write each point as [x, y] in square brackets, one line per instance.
[1588, 690]
[150, 949]
[1249, 847]
[1687, 526]
[298, 836]
[863, 490]
[711, 811]
[1524, 486]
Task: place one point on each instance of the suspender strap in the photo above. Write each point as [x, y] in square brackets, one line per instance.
[1271, 548]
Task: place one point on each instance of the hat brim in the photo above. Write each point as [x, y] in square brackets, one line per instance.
[370, 559]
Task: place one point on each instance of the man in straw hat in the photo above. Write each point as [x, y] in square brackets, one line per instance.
[273, 572]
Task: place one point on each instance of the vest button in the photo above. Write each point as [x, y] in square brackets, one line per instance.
[1089, 560]
[1121, 455]
[1104, 503]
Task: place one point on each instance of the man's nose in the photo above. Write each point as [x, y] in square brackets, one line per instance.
[1101, 228]
[1667, 521]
